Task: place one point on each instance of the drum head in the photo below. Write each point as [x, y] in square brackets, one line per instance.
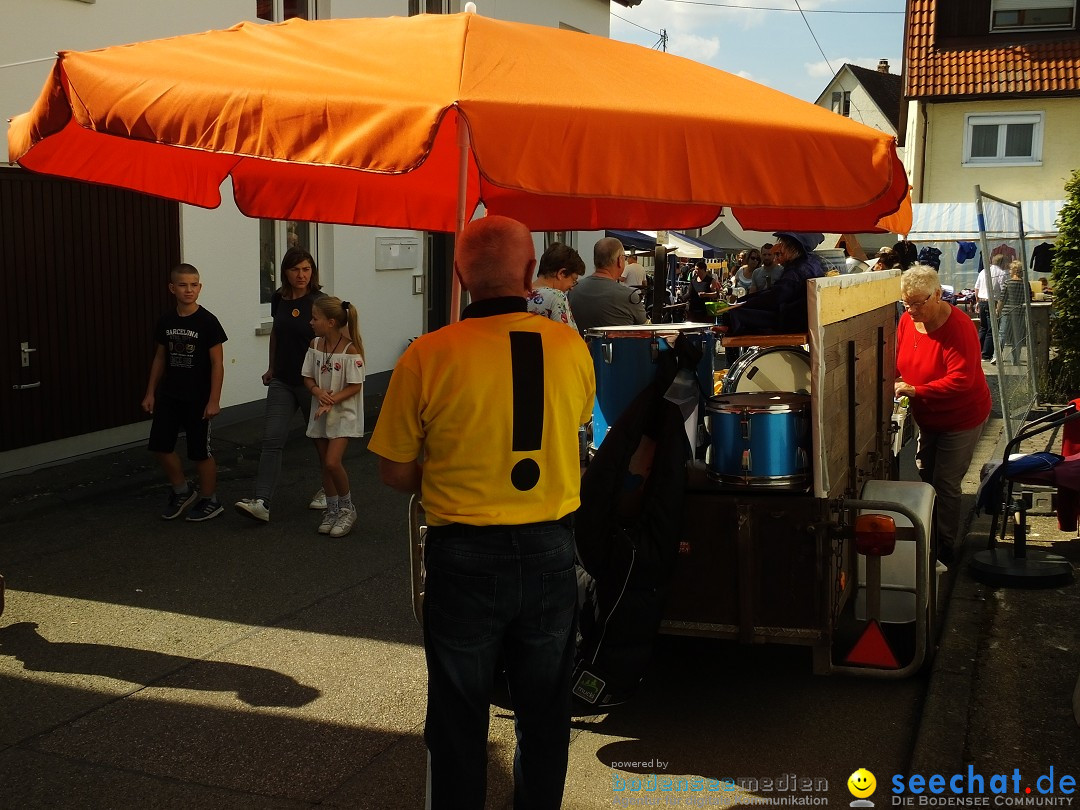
[758, 402]
[778, 368]
[647, 330]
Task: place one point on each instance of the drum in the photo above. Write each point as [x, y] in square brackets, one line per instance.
[760, 439]
[776, 368]
[624, 359]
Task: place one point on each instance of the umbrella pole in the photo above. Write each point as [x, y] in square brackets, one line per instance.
[463, 187]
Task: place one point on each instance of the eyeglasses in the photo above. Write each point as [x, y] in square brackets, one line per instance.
[755, 258]
[915, 304]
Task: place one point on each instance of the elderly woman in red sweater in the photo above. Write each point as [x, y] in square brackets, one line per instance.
[939, 368]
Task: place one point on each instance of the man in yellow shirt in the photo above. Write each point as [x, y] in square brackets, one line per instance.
[481, 417]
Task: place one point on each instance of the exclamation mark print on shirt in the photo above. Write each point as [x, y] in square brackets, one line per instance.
[527, 369]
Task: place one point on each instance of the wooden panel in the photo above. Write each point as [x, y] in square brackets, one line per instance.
[873, 337]
[759, 582]
[91, 264]
[764, 340]
[840, 302]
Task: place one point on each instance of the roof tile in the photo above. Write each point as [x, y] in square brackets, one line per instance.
[932, 69]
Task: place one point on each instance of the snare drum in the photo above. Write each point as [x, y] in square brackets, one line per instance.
[624, 359]
[760, 439]
[776, 368]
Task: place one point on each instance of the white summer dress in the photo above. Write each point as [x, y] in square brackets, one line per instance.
[332, 372]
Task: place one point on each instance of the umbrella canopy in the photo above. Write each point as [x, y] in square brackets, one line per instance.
[367, 122]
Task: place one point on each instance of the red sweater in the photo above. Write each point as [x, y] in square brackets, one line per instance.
[945, 367]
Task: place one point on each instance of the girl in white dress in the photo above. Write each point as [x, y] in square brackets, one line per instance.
[334, 374]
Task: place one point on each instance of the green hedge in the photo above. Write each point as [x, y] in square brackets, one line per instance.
[1065, 281]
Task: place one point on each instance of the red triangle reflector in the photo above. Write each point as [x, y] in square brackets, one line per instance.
[872, 650]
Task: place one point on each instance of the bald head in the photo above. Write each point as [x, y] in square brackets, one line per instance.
[495, 258]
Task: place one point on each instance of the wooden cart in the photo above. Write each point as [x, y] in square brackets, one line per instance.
[766, 566]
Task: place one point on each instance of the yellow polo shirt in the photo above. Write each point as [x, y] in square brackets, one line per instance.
[492, 406]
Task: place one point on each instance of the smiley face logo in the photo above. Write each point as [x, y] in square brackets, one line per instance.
[861, 783]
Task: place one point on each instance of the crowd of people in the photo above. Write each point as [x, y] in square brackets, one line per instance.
[501, 590]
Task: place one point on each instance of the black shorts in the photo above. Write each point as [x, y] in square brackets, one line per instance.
[170, 417]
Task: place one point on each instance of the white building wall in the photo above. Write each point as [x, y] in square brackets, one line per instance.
[863, 107]
[223, 243]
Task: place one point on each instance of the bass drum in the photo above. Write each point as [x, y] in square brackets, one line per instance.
[625, 361]
[774, 368]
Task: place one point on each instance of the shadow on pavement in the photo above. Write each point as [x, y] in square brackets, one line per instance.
[255, 686]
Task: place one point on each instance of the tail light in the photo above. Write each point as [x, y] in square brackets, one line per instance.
[875, 535]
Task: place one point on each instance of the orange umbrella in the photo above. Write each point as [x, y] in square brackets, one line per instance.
[384, 121]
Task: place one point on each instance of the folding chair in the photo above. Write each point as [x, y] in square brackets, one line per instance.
[1019, 565]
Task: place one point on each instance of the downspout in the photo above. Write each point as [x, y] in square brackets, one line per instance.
[922, 150]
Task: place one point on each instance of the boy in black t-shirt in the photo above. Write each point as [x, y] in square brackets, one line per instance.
[184, 392]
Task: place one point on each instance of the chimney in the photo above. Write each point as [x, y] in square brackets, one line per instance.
[883, 66]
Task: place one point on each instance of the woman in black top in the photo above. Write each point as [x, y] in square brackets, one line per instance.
[290, 307]
[703, 287]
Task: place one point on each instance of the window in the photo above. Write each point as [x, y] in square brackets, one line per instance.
[433, 7]
[1011, 15]
[841, 102]
[1003, 140]
[280, 10]
[277, 236]
[565, 237]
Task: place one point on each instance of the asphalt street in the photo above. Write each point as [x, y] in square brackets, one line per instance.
[146, 663]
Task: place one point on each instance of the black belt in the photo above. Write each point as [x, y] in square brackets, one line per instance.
[466, 530]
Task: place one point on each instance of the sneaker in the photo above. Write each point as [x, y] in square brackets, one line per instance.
[328, 520]
[344, 523]
[318, 500]
[993, 361]
[205, 510]
[254, 508]
[178, 502]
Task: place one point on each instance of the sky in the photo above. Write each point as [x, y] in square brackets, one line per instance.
[770, 41]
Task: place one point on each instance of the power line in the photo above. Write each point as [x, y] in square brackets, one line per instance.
[642, 27]
[802, 12]
[30, 61]
[774, 8]
[813, 36]
[828, 64]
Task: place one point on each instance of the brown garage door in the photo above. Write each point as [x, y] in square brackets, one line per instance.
[85, 271]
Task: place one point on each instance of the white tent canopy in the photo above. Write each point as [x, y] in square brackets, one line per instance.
[676, 241]
[959, 221]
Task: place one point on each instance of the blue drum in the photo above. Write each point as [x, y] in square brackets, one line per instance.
[624, 359]
[760, 439]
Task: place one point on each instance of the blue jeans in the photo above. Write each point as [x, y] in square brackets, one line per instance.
[505, 594]
[282, 401]
[986, 337]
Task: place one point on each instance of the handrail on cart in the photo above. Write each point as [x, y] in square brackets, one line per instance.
[922, 593]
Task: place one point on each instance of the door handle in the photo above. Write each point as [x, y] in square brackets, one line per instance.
[25, 349]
